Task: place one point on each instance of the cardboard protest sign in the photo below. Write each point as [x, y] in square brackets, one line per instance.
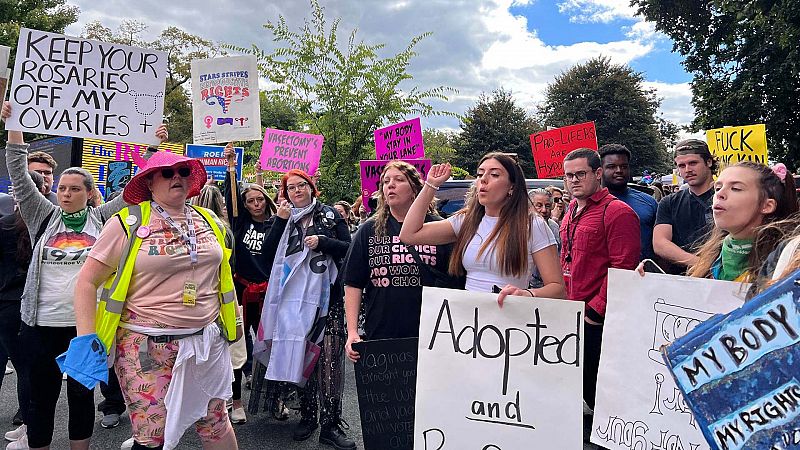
[97, 154]
[386, 378]
[734, 144]
[119, 174]
[212, 157]
[400, 141]
[225, 102]
[551, 146]
[492, 378]
[283, 151]
[76, 87]
[637, 403]
[371, 175]
[5, 73]
[739, 372]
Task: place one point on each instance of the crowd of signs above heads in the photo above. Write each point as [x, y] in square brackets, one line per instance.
[83, 88]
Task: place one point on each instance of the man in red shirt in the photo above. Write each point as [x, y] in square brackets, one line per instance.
[598, 232]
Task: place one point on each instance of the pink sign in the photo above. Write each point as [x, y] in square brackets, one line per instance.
[371, 175]
[283, 151]
[400, 141]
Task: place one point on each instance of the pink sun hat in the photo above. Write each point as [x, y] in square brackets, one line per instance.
[136, 191]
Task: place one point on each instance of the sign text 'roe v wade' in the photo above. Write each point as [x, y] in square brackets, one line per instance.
[552, 146]
[498, 379]
[638, 405]
[83, 88]
[283, 151]
[400, 141]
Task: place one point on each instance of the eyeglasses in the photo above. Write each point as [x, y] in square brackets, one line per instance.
[169, 172]
[44, 172]
[295, 187]
[577, 176]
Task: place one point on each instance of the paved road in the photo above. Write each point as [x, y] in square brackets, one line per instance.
[260, 431]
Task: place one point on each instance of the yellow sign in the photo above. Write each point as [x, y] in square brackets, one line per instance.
[734, 144]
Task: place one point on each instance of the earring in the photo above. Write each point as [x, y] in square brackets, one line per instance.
[509, 193]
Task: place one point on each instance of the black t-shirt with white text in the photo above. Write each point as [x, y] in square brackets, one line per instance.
[251, 262]
[391, 279]
[691, 218]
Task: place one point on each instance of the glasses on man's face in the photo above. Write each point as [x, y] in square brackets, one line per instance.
[577, 176]
[295, 187]
[44, 173]
[168, 173]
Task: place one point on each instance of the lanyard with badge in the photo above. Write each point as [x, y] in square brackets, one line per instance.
[189, 239]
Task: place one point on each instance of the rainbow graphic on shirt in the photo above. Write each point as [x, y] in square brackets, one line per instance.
[70, 240]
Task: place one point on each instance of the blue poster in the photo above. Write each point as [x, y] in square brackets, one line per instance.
[740, 372]
[211, 156]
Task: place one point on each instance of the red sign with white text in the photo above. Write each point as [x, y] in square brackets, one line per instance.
[551, 146]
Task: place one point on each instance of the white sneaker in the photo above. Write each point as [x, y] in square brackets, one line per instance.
[238, 416]
[127, 445]
[16, 434]
[21, 444]
[9, 370]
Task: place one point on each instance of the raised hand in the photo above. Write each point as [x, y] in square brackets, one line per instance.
[161, 133]
[230, 154]
[439, 174]
[284, 210]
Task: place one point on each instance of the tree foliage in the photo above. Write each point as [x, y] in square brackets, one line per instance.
[343, 91]
[181, 48]
[744, 58]
[614, 98]
[496, 123]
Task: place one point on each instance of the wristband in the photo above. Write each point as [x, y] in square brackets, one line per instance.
[435, 188]
[531, 292]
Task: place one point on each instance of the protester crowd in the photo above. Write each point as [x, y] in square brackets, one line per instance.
[150, 294]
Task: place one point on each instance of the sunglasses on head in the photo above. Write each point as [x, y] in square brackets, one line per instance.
[170, 172]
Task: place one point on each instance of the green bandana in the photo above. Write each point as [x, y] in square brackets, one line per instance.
[75, 221]
[735, 255]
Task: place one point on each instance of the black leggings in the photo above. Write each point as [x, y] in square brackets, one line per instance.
[43, 344]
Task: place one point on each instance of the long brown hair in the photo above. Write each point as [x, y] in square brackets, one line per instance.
[382, 212]
[767, 236]
[510, 236]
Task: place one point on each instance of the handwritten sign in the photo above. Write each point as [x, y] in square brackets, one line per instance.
[644, 408]
[491, 378]
[83, 88]
[212, 156]
[386, 379]
[739, 372]
[371, 175]
[552, 146]
[400, 141]
[97, 154]
[283, 151]
[225, 102]
[734, 144]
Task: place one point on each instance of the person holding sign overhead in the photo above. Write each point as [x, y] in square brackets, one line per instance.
[499, 239]
[390, 275]
[168, 307]
[309, 241]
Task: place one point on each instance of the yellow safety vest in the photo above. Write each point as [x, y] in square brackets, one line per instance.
[115, 290]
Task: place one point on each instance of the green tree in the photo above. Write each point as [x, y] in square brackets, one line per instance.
[181, 48]
[614, 98]
[439, 145]
[745, 62]
[45, 15]
[496, 123]
[343, 91]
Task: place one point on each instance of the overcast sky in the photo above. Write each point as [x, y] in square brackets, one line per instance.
[476, 46]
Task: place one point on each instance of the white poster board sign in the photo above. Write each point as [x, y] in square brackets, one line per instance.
[69, 86]
[492, 378]
[638, 405]
[225, 102]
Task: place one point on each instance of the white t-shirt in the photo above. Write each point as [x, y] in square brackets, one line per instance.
[484, 272]
[62, 257]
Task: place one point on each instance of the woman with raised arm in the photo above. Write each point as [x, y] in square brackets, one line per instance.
[498, 239]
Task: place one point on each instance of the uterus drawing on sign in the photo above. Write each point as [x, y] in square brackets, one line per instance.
[672, 322]
[146, 105]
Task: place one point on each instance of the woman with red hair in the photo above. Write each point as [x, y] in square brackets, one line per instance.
[310, 241]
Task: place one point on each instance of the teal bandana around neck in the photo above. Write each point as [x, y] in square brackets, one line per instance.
[735, 255]
[75, 221]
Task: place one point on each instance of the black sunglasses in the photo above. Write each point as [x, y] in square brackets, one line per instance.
[170, 172]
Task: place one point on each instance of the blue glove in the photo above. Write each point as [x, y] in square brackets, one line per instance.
[85, 360]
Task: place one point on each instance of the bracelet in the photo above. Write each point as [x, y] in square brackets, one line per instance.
[531, 292]
[435, 188]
